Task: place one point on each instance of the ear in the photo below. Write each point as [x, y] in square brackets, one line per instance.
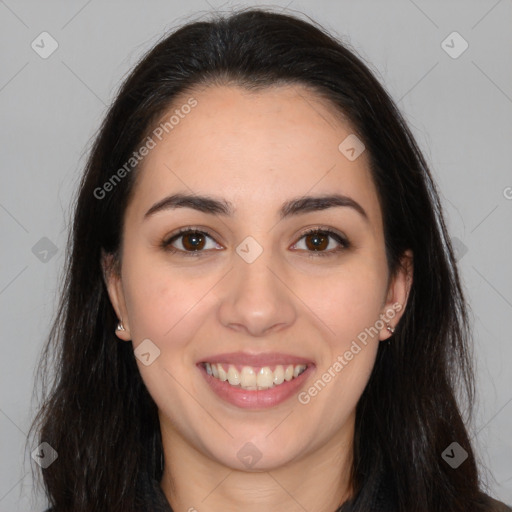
[113, 282]
[397, 295]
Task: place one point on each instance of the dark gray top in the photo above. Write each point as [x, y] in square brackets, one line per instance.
[382, 501]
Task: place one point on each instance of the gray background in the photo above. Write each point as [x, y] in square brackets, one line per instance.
[459, 109]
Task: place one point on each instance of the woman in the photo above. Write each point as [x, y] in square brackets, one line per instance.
[258, 230]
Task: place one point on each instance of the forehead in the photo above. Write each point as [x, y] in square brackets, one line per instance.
[255, 149]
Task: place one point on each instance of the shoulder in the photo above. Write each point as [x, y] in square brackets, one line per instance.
[495, 505]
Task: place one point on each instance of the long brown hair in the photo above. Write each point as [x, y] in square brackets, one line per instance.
[98, 414]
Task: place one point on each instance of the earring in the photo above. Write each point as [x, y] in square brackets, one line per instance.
[390, 329]
[120, 326]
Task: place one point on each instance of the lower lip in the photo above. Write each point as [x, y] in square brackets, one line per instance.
[256, 399]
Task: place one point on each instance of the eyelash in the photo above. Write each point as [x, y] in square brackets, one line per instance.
[342, 240]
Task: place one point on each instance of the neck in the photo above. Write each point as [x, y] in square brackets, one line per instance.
[316, 482]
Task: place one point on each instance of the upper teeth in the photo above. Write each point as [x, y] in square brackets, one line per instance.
[251, 378]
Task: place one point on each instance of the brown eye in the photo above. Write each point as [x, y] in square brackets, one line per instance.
[322, 242]
[318, 241]
[190, 242]
[193, 241]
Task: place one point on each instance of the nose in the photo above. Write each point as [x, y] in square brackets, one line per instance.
[255, 298]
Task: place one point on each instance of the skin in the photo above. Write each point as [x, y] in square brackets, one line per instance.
[255, 150]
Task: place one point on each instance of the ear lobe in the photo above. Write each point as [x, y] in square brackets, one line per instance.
[113, 283]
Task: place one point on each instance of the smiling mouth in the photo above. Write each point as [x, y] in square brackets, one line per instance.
[254, 378]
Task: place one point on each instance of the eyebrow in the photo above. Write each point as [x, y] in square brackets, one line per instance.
[296, 206]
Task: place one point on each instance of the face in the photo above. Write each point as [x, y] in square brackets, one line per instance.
[268, 263]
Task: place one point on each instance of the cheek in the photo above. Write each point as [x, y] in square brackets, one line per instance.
[351, 309]
[348, 301]
[163, 301]
[168, 307]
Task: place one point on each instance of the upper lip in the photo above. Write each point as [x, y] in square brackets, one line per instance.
[263, 359]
